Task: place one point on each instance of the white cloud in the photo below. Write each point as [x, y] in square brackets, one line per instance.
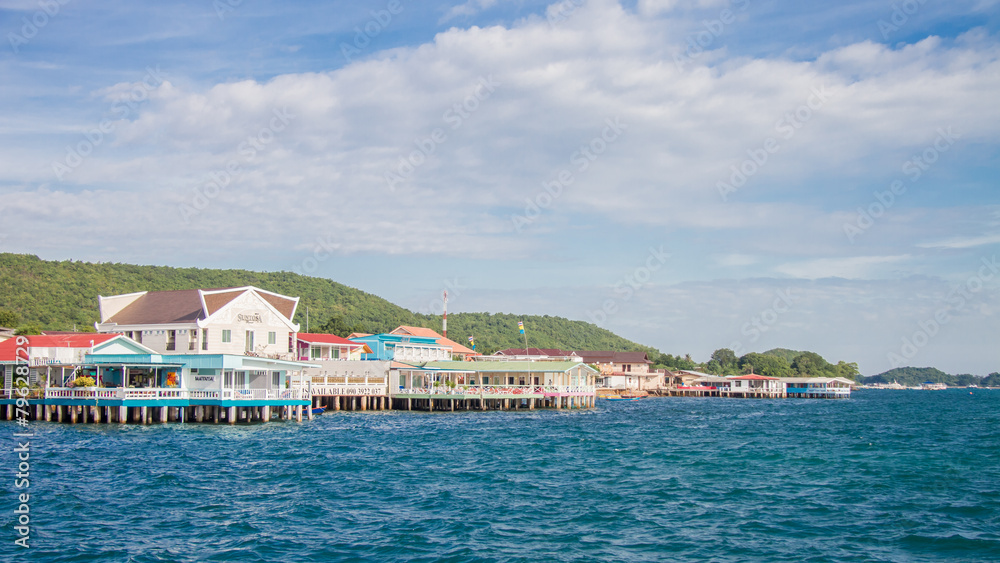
[956, 243]
[854, 267]
[556, 88]
[469, 8]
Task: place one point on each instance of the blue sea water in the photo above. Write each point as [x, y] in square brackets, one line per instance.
[886, 475]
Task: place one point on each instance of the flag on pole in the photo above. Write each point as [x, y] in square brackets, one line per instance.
[520, 327]
[472, 342]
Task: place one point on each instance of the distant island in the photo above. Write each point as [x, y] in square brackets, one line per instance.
[910, 376]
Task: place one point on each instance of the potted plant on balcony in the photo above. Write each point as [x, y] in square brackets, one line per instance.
[83, 381]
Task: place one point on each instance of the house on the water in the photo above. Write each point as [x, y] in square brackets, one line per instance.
[622, 370]
[458, 351]
[246, 321]
[486, 385]
[817, 387]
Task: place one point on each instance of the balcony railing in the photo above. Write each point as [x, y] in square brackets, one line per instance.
[173, 393]
[512, 390]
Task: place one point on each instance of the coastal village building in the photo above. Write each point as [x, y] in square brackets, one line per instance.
[245, 321]
[402, 348]
[458, 351]
[622, 370]
[535, 354]
[328, 347]
[817, 387]
[50, 357]
[755, 386]
[493, 385]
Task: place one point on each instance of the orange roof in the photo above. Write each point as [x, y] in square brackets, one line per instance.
[456, 348]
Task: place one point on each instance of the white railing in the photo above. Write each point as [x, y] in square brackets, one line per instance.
[348, 390]
[512, 390]
[167, 393]
[345, 379]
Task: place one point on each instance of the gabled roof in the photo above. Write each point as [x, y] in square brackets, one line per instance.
[456, 348]
[8, 348]
[162, 307]
[217, 300]
[187, 306]
[609, 356]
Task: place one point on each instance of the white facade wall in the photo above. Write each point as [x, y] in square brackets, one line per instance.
[245, 313]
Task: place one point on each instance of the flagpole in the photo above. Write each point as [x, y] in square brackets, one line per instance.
[529, 359]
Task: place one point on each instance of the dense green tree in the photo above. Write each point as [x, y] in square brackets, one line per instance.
[811, 364]
[765, 364]
[337, 325]
[9, 319]
[28, 330]
[714, 367]
[991, 380]
[725, 357]
[848, 370]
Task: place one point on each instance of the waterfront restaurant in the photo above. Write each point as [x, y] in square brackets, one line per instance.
[817, 387]
[447, 385]
[755, 386]
[49, 357]
[141, 386]
[241, 320]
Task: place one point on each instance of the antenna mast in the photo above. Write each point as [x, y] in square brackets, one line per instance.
[444, 323]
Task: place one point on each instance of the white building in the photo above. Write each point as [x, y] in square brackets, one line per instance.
[245, 321]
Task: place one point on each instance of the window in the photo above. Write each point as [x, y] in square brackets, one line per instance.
[336, 353]
[193, 339]
[171, 339]
[138, 336]
[402, 381]
[486, 380]
[291, 342]
[204, 339]
[249, 342]
[227, 336]
[272, 337]
[315, 352]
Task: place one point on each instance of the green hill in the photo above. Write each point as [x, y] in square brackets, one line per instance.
[788, 355]
[58, 295]
[911, 376]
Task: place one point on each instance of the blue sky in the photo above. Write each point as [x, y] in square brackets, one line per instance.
[691, 175]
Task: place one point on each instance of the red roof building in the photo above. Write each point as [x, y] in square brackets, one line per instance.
[322, 347]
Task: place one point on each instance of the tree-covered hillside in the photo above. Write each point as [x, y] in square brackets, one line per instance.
[911, 376]
[58, 295]
[779, 362]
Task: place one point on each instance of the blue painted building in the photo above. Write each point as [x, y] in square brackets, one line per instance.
[403, 348]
